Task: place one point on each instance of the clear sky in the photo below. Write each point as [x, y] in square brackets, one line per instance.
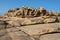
[5, 5]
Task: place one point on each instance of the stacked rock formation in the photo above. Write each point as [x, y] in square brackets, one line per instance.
[32, 15]
[28, 23]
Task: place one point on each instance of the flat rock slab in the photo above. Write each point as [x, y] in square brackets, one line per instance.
[55, 36]
[41, 28]
[17, 34]
[30, 32]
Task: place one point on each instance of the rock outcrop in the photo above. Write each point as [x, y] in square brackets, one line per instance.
[28, 23]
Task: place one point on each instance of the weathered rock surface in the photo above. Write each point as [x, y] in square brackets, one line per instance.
[31, 32]
[17, 34]
[15, 21]
[28, 23]
[55, 36]
[41, 29]
[59, 19]
[4, 35]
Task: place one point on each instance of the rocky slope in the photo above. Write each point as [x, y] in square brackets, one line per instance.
[28, 23]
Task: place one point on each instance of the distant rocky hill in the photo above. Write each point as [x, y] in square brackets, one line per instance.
[30, 12]
[28, 23]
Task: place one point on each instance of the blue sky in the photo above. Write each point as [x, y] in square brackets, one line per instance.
[5, 5]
